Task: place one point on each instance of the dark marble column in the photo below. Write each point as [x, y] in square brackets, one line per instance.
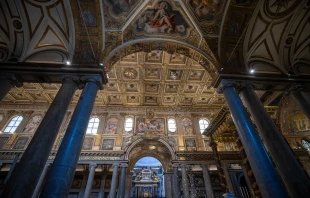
[7, 82]
[176, 192]
[62, 171]
[122, 182]
[207, 181]
[112, 193]
[185, 182]
[294, 177]
[34, 158]
[268, 180]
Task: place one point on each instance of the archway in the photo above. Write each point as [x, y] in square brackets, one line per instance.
[148, 178]
[156, 155]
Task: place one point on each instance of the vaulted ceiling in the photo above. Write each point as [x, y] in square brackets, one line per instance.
[134, 39]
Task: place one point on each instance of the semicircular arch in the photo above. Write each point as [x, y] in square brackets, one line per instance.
[204, 57]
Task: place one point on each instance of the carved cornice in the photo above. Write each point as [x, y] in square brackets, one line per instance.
[202, 156]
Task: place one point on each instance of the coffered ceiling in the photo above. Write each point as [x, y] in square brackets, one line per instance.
[154, 78]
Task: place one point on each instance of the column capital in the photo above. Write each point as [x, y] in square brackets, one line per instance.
[92, 165]
[238, 85]
[123, 165]
[175, 165]
[13, 79]
[225, 84]
[115, 164]
[93, 78]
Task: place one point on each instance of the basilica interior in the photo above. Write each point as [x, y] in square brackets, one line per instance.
[155, 98]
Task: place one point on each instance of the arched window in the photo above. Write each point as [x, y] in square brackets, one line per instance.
[203, 124]
[13, 124]
[172, 127]
[128, 124]
[93, 125]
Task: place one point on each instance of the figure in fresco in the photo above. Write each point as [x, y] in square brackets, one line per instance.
[162, 19]
[111, 127]
[188, 127]
[205, 9]
[150, 125]
[33, 124]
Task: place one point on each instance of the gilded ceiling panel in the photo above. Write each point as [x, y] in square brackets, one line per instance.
[154, 78]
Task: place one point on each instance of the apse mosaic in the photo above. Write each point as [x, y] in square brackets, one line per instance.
[162, 19]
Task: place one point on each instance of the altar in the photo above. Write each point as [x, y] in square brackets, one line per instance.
[146, 184]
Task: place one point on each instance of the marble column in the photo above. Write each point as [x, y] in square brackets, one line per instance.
[7, 82]
[40, 182]
[128, 186]
[268, 180]
[219, 166]
[302, 102]
[185, 182]
[112, 193]
[168, 190]
[192, 185]
[62, 171]
[227, 178]
[92, 168]
[102, 185]
[122, 182]
[176, 192]
[35, 156]
[207, 181]
[294, 177]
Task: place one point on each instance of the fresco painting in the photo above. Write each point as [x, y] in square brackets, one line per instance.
[187, 127]
[88, 143]
[206, 9]
[21, 142]
[107, 144]
[111, 127]
[190, 144]
[145, 125]
[3, 141]
[162, 19]
[33, 124]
